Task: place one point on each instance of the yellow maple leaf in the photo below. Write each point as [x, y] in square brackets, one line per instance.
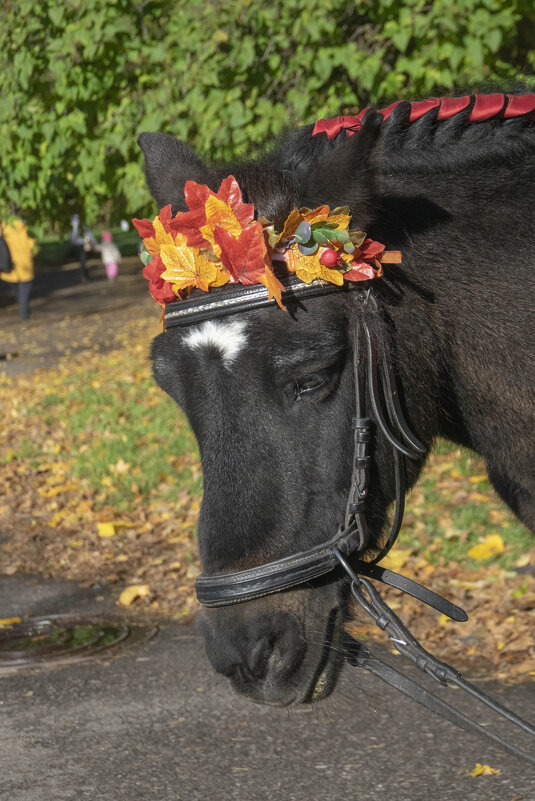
[483, 770]
[340, 217]
[308, 268]
[219, 213]
[186, 266]
[132, 593]
[491, 545]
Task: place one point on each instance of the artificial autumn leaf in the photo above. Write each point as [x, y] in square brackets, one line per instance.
[273, 286]
[230, 192]
[309, 268]
[186, 266]
[161, 291]
[161, 237]
[132, 593]
[219, 213]
[492, 545]
[296, 217]
[222, 277]
[292, 221]
[196, 195]
[165, 216]
[188, 224]
[483, 770]
[371, 249]
[144, 228]
[315, 215]
[340, 217]
[361, 271]
[245, 256]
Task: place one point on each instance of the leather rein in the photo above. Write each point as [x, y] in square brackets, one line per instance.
[374, 381]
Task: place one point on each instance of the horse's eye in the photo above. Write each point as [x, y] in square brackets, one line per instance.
[309, 384]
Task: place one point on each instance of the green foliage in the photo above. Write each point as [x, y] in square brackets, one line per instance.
[80, 80]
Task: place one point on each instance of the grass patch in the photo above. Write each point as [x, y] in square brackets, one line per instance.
[454, 507]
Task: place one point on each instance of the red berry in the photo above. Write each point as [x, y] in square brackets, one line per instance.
[329, 257]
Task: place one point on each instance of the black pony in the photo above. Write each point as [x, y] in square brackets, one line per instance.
[270, 394]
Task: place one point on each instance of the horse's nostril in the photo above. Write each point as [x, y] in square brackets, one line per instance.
[258, 650]
[259, 657]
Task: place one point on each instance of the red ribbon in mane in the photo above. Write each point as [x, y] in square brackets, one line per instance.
[486, 107]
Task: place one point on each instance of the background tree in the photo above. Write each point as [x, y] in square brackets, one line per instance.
[79, 80]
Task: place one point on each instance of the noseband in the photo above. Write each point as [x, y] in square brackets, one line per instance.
[377, 409]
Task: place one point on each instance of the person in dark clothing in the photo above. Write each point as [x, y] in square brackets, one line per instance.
[84, 242]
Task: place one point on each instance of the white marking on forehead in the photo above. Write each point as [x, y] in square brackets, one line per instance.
[227, 336]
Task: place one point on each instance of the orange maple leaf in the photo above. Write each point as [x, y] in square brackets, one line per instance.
[161, 237]
[273, 286]
[244, 256]
[297, 216]
[219, 213]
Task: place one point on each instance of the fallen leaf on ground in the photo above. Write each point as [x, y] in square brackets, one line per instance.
[106, 529]
[492, 545]
[132, 593]
[6, 622]
[483, 770]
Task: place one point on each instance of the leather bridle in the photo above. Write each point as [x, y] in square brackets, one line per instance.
[377, 409]
[371, 366]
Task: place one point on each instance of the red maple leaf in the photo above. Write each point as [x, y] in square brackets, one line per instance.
[165, 217]
[144, 228]
[245, 257]
[161, 290]
[189, 224]
[230, 192]
[370, 249]
[360, 271]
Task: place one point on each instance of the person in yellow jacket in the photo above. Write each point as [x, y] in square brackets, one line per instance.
[20, 246]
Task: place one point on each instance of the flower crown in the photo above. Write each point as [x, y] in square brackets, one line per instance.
[218, 241]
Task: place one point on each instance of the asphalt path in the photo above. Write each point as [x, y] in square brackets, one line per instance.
[153, 722]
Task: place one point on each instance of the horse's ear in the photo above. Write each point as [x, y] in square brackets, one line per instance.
[346, 175]
[169, 163]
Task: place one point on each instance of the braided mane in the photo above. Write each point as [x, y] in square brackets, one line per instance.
[479, 109]
[427, 135]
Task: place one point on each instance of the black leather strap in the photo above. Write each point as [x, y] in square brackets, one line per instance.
[409, 586]
[359, 656]
[237, 298]
[244, 585]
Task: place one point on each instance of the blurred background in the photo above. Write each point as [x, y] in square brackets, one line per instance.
[80, 80]
[99, 472]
